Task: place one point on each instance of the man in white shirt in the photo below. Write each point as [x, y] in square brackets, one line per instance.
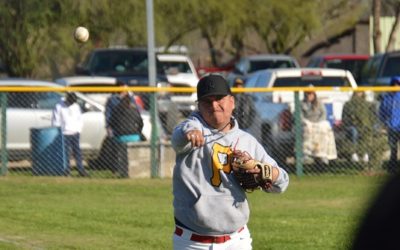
[67, 115]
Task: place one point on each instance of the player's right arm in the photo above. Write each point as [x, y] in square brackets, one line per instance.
[187, 135]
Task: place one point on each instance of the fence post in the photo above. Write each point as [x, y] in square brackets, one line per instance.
[152, 81]
[154, 137]
[4, 158]
[298, 135]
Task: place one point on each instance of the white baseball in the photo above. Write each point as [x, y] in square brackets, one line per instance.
[81, 34]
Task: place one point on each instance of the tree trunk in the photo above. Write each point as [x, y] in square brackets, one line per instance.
[376, 10]
[213, 54]
[394, 31]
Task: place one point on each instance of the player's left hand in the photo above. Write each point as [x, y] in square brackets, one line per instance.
[251, 174]
[195, 137]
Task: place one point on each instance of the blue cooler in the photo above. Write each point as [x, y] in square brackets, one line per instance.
[48, 153]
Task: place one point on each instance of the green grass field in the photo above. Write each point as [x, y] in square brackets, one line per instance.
[317, 212]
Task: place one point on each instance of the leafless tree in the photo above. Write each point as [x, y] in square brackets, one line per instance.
[395, 5]
[376, 12]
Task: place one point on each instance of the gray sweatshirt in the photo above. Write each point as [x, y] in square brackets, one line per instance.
[207, 197]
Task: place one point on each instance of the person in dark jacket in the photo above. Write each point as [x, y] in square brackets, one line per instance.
[358, 121]
[389, 114]
[126, 125]
[125, 120]
[112, 102]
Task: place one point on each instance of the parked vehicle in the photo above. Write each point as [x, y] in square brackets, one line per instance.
[351, 62]
[380, 68]
[303, 77]
[101, 97]
[222, 70]
[126, 64]
[26, 110]
[249, 64]
[89, 81]
[130, 65]
[180, 72]
[273, 123]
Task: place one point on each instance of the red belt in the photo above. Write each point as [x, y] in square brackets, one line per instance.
[206, 238]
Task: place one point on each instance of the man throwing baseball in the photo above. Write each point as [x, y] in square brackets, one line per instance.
[216, 163]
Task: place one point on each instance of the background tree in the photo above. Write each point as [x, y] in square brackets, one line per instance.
[385, 8]
[174, 20]
[110, 24]
[25, 34]
[392, 7]
[222, 24]
[337, 19]
[36, 35]
[282, 26]
[376, 36]
[396, 25]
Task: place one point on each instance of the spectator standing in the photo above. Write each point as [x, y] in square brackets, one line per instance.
[126, 125]
[389, 114]
[210, 207]
[123, 124]
[244, 108]
[112, 102]
[358, 121]
[318, 138]
[67, 115]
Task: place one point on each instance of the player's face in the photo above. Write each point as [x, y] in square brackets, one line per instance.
[217, 110]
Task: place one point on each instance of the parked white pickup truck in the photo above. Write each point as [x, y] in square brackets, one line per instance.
[303, 77]
[273, 120]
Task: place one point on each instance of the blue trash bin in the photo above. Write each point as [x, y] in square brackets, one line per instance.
[48, 153]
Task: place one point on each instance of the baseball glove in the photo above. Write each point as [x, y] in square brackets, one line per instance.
[241, 163]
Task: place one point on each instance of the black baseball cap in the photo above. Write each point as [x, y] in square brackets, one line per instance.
[212, 85]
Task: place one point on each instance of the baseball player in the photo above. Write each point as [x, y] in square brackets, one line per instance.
[215, 161]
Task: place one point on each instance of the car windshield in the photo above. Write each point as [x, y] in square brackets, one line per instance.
[307, 81]
[392, 67]
[270, 64]
[354, 66]
[30, 100]
[119, 62]
[115, 62]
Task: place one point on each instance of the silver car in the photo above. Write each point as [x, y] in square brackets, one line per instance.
[29, 109]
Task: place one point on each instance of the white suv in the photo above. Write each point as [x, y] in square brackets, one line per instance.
[180, 72]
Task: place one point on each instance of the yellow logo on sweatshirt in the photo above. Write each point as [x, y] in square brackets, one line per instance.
[221, 159]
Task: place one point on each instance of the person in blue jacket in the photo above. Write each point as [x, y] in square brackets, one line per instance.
[389, 114]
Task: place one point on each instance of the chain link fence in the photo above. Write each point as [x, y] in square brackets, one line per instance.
[35, 147]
